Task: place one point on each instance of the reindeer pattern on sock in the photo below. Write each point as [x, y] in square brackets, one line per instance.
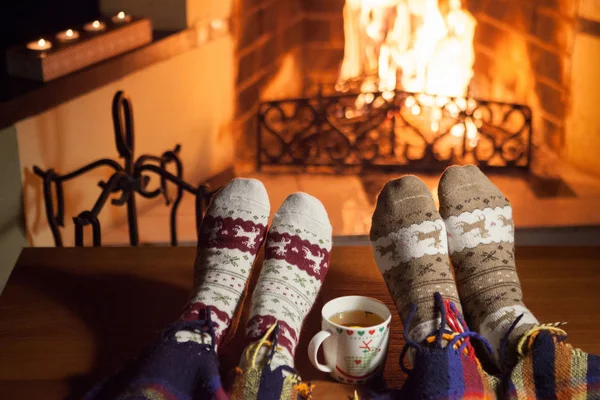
[249, 238]
[425, 236]
[385, 250]
[213, 231]
[471, 229]
[477, 225]
[279, 247]
[415, 241]
[256, 327]
[314, 259]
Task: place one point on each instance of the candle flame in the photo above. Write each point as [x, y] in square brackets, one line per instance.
[96, 24]
[69, 32]
[41, 42]
[217, 24]
[121, 15]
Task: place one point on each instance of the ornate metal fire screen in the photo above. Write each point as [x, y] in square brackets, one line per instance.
[398, 131]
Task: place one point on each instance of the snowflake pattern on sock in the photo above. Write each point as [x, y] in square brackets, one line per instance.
[230, 237]
[295, 265]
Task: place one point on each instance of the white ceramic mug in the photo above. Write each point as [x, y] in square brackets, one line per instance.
[352, 355]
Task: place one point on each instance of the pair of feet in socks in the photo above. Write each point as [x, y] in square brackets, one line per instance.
[411, 242]
[296, 261]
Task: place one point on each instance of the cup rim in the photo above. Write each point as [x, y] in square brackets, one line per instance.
[385, 322]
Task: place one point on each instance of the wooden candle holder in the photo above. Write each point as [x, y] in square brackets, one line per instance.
[90, 48]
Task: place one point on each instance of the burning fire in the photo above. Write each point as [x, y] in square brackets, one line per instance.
[419, 46]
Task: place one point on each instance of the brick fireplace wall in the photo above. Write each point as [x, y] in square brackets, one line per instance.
[323, 40]
[265, 32]
[523, 54]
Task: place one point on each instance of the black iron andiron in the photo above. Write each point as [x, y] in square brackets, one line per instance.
[128, 179]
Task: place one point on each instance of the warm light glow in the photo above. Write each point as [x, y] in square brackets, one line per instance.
[415, 110]
[217, 24]
[369, 97]
[39, 45]
[471, 104]
[452, 110]
[67, 36]
[96, 26]
[411, 45]
[121, 18]
[441, 101]
[426, 100]
[458, 130]
[472, 135]
[388, 95]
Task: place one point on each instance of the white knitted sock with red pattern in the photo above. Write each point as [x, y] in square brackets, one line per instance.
[230, 236]
[296, 262]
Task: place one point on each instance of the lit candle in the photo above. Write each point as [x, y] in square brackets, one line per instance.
[121, 18]
[67, 36]
[40, 45]
[95, 26]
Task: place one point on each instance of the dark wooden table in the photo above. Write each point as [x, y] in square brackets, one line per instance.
[68, 317]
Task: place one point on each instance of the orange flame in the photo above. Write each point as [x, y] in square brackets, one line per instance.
[412, 40]
[414, 46]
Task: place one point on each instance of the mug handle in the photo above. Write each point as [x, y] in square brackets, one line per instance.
[313, 348]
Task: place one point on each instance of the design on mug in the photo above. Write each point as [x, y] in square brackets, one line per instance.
[355, 365]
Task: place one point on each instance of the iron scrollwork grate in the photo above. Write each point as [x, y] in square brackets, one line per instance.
[393, 131]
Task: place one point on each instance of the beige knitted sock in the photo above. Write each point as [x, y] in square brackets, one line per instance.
[409, 241]
[481, 242]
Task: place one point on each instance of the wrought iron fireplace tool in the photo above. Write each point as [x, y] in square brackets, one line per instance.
[128, 179]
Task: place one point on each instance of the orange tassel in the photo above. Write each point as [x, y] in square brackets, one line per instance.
[305, 390]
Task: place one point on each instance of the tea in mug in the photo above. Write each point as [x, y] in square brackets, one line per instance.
[356, 319]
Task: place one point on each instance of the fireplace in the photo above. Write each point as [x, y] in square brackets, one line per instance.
[334, 97]
[500, 64]
[515, 81]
